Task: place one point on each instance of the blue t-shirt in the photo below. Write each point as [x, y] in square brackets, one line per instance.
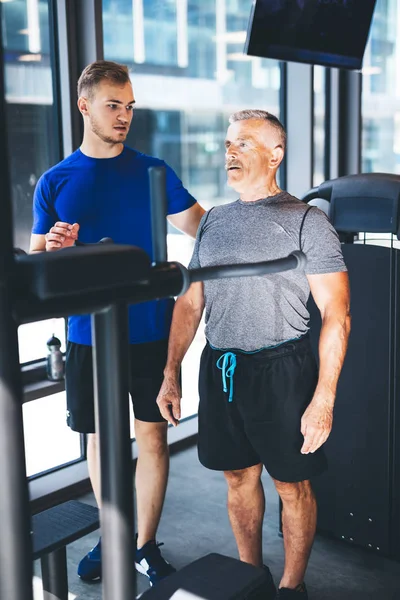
[109, 198]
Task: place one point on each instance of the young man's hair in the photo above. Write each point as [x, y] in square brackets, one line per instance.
[262, 115]
[101, 70]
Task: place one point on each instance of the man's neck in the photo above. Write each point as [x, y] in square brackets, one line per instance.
[257, 193]
[99, 149]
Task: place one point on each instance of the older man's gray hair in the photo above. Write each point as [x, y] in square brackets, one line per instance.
[261, 115]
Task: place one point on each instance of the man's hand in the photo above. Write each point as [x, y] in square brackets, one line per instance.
[61, 235]
[169, 400]
[316, 424]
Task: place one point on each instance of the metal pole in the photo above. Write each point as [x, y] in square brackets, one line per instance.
[111, 372]
[54, 575]
[158, 199]
[15, 541]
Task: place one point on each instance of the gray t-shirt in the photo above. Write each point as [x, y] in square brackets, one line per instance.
[250, 313]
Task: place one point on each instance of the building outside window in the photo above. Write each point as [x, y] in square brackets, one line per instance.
[319, 131]
[381, 92]
[380, 151]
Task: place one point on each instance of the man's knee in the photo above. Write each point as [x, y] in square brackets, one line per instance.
[151, 437]
[293, 493]
[243, 478]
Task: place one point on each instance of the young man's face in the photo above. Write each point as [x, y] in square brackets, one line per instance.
[249, 151]
[110, 111]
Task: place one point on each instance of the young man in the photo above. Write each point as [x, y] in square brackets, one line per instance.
[262, 401]
[102, 190]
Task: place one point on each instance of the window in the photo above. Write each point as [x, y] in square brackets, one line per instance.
[33, 141]
[33, 147]
[188, 76]
[319, 125]
[182, 114]
[32, 338]
[381, 92]
[49, 443]
[380, 103]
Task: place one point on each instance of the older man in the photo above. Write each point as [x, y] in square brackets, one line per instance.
[262, 400]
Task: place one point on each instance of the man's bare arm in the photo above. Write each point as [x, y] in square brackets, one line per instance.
[37, 244]
[332, 296]
[188, 220]
[185, 321]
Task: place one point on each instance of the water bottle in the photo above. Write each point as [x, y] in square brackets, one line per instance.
[55, 362]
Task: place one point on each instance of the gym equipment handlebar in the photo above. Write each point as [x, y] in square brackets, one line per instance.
[85, 279]
[295, 260]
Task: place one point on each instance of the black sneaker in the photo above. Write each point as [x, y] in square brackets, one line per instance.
[150, 562]
[270, 589]
[300, 593]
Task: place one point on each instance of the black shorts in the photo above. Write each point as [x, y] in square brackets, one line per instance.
[147, 362]
[271, 390]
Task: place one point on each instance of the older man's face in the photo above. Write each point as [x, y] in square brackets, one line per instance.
[249, 147]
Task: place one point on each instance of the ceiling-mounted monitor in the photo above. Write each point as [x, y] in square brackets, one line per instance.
[332, 33]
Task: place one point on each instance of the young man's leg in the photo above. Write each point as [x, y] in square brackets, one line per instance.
[147, 363]
[80, 406]
[93, 461]
[80, 417]
[299, 518]
[246, 505]
[147, 372]
[151, 477]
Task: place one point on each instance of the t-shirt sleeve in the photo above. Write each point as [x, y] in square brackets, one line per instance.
[44, 214]
[320, 243]
[195, 260]
[178, 198]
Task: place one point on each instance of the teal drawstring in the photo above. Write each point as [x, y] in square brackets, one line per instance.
[227, 364]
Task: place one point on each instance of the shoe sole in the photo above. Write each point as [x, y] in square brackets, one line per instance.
[142, 571]
[90, 580]
[138, 568]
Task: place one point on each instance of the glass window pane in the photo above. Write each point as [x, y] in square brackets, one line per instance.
[159, 49]
[188, 76]
[319, 125]
[32, 121]
[381, 91]
[180, 248]
[49, 442]
[32, 338]
[33, 140]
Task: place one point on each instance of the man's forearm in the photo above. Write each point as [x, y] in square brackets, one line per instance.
[332, 350]
[185, 321]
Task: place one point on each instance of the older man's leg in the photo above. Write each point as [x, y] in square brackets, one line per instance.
[246, 505]
[299, 519]
[151, 477]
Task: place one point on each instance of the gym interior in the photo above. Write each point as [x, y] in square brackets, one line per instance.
[189, 73]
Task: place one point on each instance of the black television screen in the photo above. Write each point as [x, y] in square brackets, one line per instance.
[332, 33]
